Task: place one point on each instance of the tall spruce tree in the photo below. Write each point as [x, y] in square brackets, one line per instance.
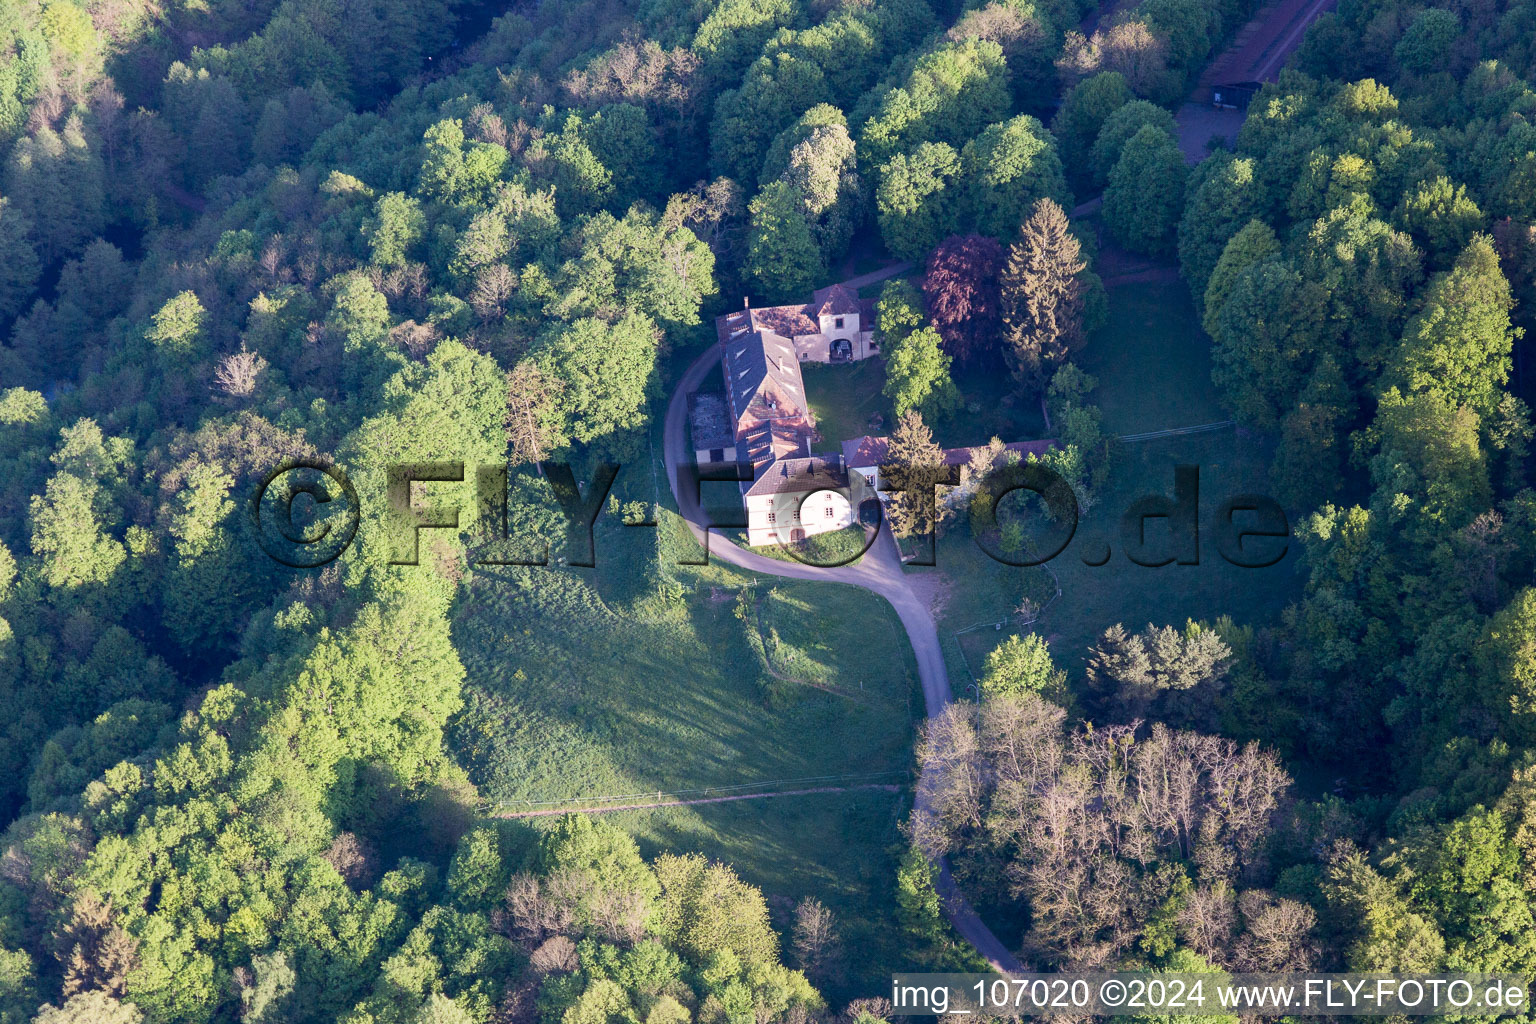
[1042, 295]
[914, 462]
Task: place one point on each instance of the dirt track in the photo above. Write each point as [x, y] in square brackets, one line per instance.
[883, 787]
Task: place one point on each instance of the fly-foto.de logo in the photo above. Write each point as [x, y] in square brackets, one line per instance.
[305, 514]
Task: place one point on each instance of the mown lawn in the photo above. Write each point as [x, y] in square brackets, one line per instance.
[843, 399]
[1153, 365]
[603, 682]
[1153, 361]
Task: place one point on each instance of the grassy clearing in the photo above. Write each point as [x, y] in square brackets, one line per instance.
[1121, 591]
[637, 676]
[1153, 365]
[836, 547]
[971, 589]
[571, 696]
[992, 408]
[1152, 360]
[844, 399]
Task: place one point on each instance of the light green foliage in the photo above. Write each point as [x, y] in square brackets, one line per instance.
[950, 93]
[917, 375]
[18, 993]
[1183, 961]
[177, 329]
[90, 1008]
[1442, 215]
[899, 311]
[783, 257]
[1460, 341]
[397, 226]
[1509, 657]
[1431, 456]
[1019, 665]
[916, 202]
[1368, 271]
[1145, 193]
[458, 172]
[1007, 168]
[640, 263]
[1255, 243]
[816, 156]
[734, 31]
[598, 160]
[75, 755]
[705, 911]
[68, 534]
[268, 998]
[1384, 933]
[761, 113]
[608, 370]
[1472, 879]
[920, 914]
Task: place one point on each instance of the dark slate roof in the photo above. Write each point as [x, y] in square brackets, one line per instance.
[762, 375]
[790, 476]
[835, 300]
[709, 421]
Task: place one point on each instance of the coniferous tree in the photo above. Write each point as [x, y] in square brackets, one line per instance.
[1042, 295]
[914, 462]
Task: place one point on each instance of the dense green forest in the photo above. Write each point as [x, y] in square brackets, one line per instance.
[390, 231]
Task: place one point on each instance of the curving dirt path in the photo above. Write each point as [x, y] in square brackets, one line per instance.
[879, 571]
[883, 787]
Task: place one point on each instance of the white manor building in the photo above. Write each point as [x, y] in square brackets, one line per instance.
[763, 417]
